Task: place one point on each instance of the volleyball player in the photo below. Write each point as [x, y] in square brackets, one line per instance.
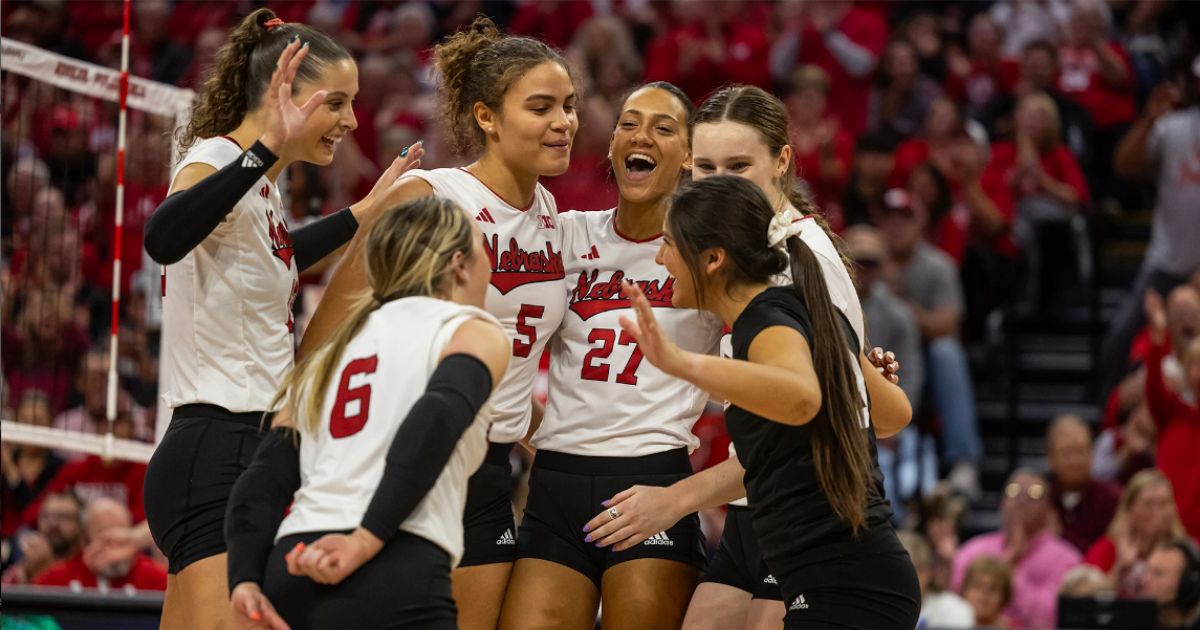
[796, 414]
[391, 423]
[278, 93]
[743, 131]
[511, 99]
[613, 421]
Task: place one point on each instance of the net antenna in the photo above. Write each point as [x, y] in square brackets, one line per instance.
[99, 82]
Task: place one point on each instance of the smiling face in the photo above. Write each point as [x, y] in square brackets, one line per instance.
[733, 148]
[537, 123]
[649, 147]
[330, 123]
[684, 293]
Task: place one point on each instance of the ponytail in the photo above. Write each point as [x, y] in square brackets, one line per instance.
[840, 450]
[242, 70]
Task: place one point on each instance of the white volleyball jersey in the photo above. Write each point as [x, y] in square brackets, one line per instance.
[227, 306]
[604, 400]
[527, 292]
[382, 373]
[841, 292]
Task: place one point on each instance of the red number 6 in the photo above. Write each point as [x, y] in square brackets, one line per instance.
[340, 425]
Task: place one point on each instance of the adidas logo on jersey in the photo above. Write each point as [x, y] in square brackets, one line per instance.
[770, 579]
[249, 160]
[593, 255]
[507, 538]
[799, 604]
[485, 216]
[660, 539]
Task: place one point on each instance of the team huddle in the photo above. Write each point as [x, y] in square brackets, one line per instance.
[364, 481]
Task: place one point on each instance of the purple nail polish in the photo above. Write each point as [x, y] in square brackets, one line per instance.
[598, 545]
[587, 539]
[586, 528]
[604, 503]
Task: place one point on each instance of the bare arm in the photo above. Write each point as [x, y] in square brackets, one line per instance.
[349, 282]
[1131, 160]
[890, 409]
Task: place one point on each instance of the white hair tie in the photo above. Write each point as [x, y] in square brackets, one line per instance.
[781, 228]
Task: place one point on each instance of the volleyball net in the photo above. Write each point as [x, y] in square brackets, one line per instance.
[80, 306]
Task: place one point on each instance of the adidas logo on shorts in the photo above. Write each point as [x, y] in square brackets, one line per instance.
[799, 604]
[507, 538]
[770, 579]
[659, 539]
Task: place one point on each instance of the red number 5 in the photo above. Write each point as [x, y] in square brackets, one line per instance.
[528, 311]
[341, 425]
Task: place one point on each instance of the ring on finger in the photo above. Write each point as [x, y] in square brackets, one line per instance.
[613, 513]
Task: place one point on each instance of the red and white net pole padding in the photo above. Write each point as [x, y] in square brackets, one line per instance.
[122, 99]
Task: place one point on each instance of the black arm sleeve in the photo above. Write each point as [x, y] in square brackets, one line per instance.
[257, 505]
[320, 238]
[183, 220]
[426, 440]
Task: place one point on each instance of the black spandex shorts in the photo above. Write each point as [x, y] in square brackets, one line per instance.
[190, 476]
[565, 492]
[406, 586]
[738, 562]
[489, 531]
[869, 584]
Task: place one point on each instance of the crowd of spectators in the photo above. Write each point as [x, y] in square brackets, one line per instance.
[958, 147]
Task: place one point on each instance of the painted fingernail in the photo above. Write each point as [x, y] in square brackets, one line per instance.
[305, 45]
[588, 539]
[586, 528]
[404, 153]
[599, 545]
[255, 616]
[604, 503]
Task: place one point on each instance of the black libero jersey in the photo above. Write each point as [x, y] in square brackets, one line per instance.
[792, 515]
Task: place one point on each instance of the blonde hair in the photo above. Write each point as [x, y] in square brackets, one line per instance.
[1053, 122]
[1084, 580]
[993, 567]
[1139, 482]
[810, 76]
[409, 253]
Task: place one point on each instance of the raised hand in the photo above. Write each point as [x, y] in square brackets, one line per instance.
[409, 159]
[656, 347]
[253, 611]
[333, 557]
[1156, 315]
[283, 119]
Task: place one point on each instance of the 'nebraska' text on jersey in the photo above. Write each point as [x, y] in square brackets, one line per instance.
[227, 305]
[604, 399]
[527, 292]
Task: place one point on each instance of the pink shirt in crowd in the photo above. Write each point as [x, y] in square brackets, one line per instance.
[1035, 579]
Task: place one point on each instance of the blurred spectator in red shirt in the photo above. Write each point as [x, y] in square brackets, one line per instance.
[1145, 517]
[152, 53]
[1044, 182]
[98, 564]
[27, 469]
[1178, 421]
[58, 536]
[26, 178]
[842, 39]
[943, 127]
[1085, 506]
[977, 81]
[902, 99]
[924, 31]
[208, 42]
[553, 21]
[93, 477]
[193, 18]
[712, 48]
[823, 150]
[1095, 71]
[92, 382]
[42, 347]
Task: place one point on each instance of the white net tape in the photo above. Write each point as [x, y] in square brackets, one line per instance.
[96, 82]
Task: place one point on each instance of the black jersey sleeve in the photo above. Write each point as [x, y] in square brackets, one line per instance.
[184, 219]
[777, 306]
[322, 237]
[426, 439]
[258, 503]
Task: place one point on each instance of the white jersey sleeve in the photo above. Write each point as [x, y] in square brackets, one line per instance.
[383, 371]
[604, 400]
[227, 305]
[527, 292]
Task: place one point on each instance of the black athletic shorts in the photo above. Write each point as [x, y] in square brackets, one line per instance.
[190, 476]
[738, 562]
[489, 531]
[868, 584]
[405, 586]
[565, 492]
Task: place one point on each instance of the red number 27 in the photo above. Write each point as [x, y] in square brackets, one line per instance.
[341, 425]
